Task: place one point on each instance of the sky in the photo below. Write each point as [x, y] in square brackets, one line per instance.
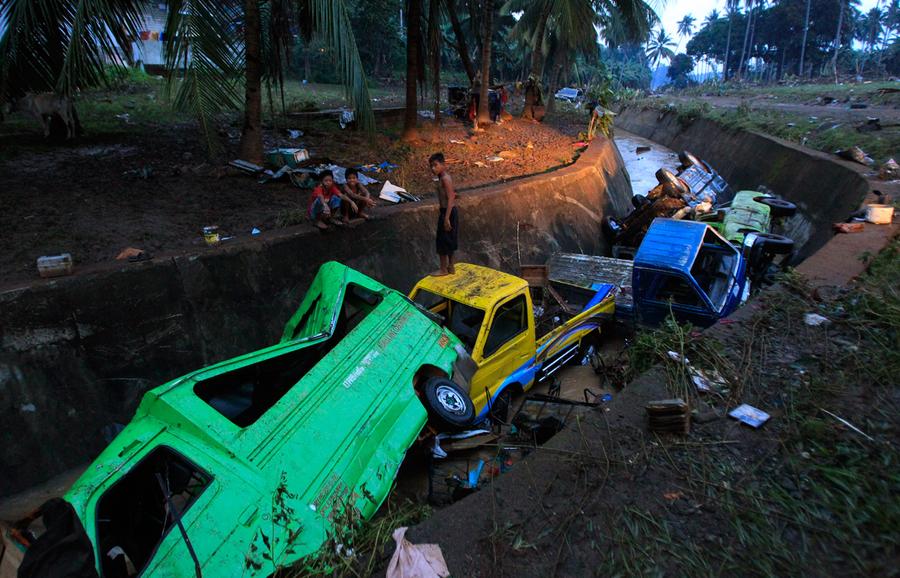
[674, 10]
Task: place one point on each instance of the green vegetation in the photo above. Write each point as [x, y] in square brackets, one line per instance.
[820, 496]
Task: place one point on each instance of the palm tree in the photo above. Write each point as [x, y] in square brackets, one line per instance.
[805, 33]
[413, 40]
[461, 47]
[435, 42]
[484, 113]
[659, 47]
[749, 5]
[731, 6]
[67, 44]
[685, 26]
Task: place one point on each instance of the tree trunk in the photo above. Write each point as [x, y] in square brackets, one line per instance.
[805, 33]
[752, 39]
[837, 40]
[537, 51]
[553, 82]
[484, 114]
[251, 147]
[461, 41]
[413, 39]
[727, 48]
[434, 28]
[746, 38]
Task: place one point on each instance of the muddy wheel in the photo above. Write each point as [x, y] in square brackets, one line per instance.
[447, 403]
[664, 176]
[774, 244]
[778, 207]
[500, 406]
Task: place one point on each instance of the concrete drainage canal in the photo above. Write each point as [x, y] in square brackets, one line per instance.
[471, 343]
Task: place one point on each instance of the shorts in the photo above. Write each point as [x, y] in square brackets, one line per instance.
[316, 208]
[447, 242]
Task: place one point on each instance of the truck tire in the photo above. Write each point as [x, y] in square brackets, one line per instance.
[448, 405]
[774, 244]
[664, 176]
[778, 207]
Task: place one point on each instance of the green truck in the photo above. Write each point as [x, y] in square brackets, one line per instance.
[249, 465]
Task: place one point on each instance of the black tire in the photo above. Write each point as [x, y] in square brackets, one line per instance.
[448, 405]
[687, 159]
[774, 244]
[778, 207]
[664, 176]
[639, 201]
[500, 406]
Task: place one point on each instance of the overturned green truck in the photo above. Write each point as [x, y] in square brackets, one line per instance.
[250, 464]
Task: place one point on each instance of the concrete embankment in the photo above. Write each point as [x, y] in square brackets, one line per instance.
[77, 353]
[825, 188]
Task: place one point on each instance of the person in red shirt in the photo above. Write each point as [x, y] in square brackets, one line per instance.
[325, 203]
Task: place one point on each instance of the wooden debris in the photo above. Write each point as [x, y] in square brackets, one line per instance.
[669, 415]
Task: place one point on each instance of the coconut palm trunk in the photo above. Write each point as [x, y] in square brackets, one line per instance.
[413, 40]
[484, 114]
[727, 47]
[251, 146]
[837, 40]
[805, 34]
[461, 46]
[746, 38]
[434, 46]
[537, 49]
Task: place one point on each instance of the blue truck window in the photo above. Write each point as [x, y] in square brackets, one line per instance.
[678, 291]
[713, 269]
[509, 321]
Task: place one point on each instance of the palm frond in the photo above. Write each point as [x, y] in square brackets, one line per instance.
[333, 24]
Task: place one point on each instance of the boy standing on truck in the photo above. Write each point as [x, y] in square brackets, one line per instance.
[447, 237]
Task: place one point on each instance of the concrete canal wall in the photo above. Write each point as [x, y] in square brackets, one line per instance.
[78, 352]
[825, 188]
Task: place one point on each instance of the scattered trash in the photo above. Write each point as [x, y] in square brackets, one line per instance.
[856, 155]
[579, 144]
[848, 424]
[268, 176]
[494, 159]
[439, 452]
[858, 105]
[124, 117]
[294, 134]
[394, 194]
[880, 214]
[480, 164]
[246, 166]
[889, 171]
[133, 255]
[143, 173]
[339, 173]
[672, 496]
[508, 154]
[791, 124]
[872, 124]
[255, 231]
[641, 150]
[606, 398]
[427, 114]
[814, 320]
[55, 265]
[749, 415]
[668, 415]
[459, 142]
[383, 167]
[28, 408]
[848, 227]
[416, 560]
[475, 474]
[287, 156]
[211, 235]
[347, 118]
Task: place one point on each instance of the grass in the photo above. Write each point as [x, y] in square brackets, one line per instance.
[824, 134]
[802, 93]
[818, 496]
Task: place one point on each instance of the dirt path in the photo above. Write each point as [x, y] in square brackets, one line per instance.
[153, 189]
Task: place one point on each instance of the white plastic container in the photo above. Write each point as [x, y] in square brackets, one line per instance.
[880, 214]
[55, 265]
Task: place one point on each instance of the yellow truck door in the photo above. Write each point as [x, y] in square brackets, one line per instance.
[505, 343]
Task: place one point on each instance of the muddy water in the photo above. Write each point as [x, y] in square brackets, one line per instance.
[642, 167]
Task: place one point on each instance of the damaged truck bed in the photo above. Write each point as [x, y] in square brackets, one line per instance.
[249, 465]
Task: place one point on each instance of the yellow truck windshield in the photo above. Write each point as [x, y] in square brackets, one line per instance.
[462, 320]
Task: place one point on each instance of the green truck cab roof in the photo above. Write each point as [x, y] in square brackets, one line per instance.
[263, 454]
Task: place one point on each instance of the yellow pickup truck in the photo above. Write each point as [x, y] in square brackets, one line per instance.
[498, 317]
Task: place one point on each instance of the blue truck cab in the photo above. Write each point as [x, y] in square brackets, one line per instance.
[685, 268]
